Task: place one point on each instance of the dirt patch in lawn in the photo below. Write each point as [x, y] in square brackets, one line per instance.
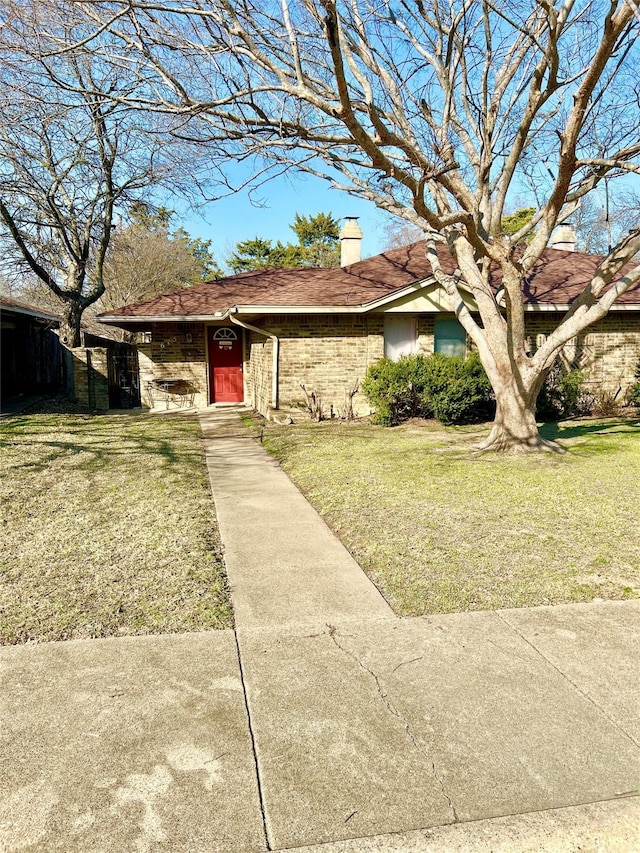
[108, 528]
[440, 529]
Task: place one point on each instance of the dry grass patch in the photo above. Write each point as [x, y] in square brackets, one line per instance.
[108, 528]
[441, 529]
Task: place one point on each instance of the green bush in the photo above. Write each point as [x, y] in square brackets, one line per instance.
[563, 396]
[451, 388]
[467, 400]
[634, 394]
[634, 390]
[396, 390]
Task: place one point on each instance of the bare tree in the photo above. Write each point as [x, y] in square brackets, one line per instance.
[146, 257]
[603, 217]
[438, 112]
[73, 152]
[398, 232]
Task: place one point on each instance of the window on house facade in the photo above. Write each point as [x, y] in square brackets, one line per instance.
[450, 337]
[399, 336]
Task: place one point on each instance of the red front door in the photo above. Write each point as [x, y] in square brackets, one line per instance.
[225, 365]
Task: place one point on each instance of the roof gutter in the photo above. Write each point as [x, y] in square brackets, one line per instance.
[28, 312]
[276, 355]
[119, 319]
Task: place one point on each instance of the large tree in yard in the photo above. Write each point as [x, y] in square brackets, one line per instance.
[441, 112]
[73, 153]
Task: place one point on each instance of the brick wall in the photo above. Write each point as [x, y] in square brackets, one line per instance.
[607, 352]
[258, 371]
[91, 377]
[328, 353]
[425, 334]
[177, 352]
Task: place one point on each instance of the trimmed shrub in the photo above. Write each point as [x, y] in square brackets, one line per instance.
[453, 389]
[467, 400]
[633, 394]
[396, 390]
[563, 396]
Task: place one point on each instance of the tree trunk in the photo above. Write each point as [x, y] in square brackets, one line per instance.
[515, 428]
[70, 325]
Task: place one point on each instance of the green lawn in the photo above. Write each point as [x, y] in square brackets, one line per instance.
[441, 529]
[108, 528]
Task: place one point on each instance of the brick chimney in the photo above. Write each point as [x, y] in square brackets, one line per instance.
[564, 237]
[350, 242]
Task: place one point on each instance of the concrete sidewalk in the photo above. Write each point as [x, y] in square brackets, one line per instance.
[413, 735]
[382, 727]
[130, 744]
[324, 723]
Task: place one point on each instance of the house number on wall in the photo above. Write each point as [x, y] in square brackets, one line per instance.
[225, 338]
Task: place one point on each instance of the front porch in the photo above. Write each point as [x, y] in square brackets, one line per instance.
[185, 365]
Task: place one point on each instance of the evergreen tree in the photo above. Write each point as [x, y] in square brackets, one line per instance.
[317, 246]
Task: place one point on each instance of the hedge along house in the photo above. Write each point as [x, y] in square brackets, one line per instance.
[257, 337]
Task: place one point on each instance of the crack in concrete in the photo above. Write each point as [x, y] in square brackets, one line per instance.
[405, 663]
[396, 713]
[256, 763]
[571, 682]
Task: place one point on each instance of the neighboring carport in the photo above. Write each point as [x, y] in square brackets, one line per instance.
[31, 351]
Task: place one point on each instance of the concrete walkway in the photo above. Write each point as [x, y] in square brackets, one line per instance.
[285, 567]
[324, 723]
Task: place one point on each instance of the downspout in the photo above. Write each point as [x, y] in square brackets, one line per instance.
[276, 355]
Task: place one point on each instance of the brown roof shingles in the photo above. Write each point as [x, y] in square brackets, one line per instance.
[557, 279]
[8, 304]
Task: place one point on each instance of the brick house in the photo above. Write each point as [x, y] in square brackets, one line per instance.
[258, 336]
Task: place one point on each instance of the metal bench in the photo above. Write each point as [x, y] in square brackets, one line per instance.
[178, 391]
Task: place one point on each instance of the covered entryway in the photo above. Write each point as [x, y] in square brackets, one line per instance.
[225, 365]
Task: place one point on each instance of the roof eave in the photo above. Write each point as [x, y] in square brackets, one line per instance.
[553, 307]
[118, 319]
[26, 312]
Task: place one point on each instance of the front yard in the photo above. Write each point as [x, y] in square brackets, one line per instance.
[108, 528]
[440, 529]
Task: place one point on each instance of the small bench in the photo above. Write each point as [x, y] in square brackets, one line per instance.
[178, 391]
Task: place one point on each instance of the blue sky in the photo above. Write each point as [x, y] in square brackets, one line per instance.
[236, 218]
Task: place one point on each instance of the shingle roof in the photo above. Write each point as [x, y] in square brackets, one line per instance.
[557, 279]
[10, 305]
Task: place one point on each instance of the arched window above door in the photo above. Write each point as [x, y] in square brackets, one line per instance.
[225, 337]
